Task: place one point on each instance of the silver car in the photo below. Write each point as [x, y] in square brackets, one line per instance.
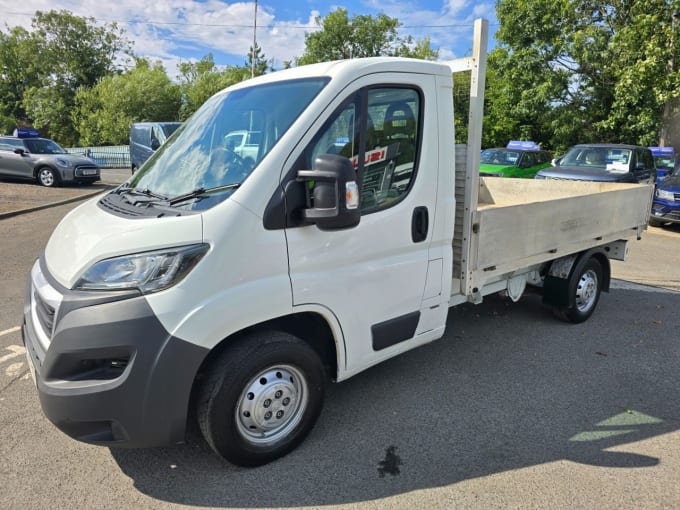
[44, 161]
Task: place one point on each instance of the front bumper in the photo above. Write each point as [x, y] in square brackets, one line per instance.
[666, 212]
[106, 370]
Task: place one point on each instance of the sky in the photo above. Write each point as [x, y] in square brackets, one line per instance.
[174, 31]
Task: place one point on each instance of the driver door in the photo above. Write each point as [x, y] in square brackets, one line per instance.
[373, 277]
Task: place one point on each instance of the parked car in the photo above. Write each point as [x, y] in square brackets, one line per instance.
[664, 158]
[146, 137]
[44, 160]
[518, 159]
[603, 162]
[666, 204]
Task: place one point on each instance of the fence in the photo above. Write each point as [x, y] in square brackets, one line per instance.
[116, 156]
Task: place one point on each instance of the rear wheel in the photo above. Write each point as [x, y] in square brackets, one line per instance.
[47, 177]
[585, 286]
[261, 397]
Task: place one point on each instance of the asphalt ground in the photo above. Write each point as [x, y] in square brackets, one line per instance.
[20, 197]
[510, 409]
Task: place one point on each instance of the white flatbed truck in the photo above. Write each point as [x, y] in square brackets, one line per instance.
[206, 284]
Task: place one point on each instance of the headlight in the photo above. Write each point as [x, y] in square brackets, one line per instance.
[664, 195]
[61, 162]
[149, 272]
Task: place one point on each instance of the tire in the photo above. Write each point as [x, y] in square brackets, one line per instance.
[47, 177]
[261, 397]
[132, 169]
[585, 287]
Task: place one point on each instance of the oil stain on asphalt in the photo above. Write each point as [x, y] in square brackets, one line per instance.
[390, 464]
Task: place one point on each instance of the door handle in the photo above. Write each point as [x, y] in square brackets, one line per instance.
[419, 224]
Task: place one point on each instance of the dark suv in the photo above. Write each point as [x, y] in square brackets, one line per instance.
[44, 161]
[603, 162]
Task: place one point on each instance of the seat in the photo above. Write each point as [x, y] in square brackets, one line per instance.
[595, 158]
[400, 126]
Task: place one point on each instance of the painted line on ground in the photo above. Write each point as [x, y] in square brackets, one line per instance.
[10, 330]
[16, 350]
[626, 285]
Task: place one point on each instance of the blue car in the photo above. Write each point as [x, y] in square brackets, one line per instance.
[666, 204]
[665, 159]
[605, 163]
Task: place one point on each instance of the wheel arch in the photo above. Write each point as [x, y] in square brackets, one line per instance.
[39, 167]
[310, 326]
[553, 287]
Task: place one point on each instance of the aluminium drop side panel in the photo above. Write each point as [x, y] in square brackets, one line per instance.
[521, 222]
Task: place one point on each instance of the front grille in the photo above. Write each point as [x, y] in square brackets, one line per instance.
[676, 196]
[86, 171]
[45, 314]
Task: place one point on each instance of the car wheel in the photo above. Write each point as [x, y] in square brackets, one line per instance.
[47, 177]
[261, 398]
[585, 287]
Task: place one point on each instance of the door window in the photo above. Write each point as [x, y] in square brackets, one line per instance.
[380, 141]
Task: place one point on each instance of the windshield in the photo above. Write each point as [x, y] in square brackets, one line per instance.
[43, 146]
[203, 155]
[664, 161]
[170, 127]
[612, 159]
[499, 157]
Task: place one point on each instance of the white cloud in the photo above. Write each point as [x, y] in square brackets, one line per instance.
[183, 30]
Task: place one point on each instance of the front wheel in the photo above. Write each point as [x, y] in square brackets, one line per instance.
[261, 397]
[47, 177]
[653, 222]
[585, 287]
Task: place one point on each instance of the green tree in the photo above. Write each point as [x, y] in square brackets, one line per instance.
[103, 113]
[586, 70]
[67, 53]
[16, 75]
[342, 37]
[200, 80]
[262, 65]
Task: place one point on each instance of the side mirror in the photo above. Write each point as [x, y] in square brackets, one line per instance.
[20, 152]
[155, 144]
[332, 193]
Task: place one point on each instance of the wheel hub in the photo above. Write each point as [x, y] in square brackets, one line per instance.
[271, 404]
[586, 291]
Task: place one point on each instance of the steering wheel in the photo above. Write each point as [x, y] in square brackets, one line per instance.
[232, 164]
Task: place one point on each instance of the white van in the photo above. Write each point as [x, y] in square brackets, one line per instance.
[206, 283]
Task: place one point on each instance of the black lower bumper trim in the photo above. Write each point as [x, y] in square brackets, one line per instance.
[113, 375]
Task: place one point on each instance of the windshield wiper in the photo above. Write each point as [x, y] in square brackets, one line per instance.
[201, 191]
[140, 191]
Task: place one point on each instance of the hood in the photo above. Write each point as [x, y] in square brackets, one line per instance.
[671, 184]
[584, 174]
[72, 159]
[89, 234]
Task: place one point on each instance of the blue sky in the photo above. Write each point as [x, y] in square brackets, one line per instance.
[186, 30]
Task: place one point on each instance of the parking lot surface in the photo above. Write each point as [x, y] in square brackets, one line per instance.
[510, 409]
[22, 196]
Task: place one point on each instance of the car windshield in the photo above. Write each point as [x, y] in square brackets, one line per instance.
[170, 127]
[43, 146]
[199, 155]
[499, 157]
[664, 161]
[612, 159]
